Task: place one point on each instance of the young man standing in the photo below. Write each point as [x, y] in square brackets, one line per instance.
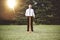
[30, 14]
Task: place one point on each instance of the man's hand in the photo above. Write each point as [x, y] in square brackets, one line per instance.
[34, 16]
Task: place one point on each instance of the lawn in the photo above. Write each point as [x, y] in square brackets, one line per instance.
[18, 32]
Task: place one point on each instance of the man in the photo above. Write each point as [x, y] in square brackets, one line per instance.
[30, 14]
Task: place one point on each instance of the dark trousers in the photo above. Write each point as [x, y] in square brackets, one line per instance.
[30, 24]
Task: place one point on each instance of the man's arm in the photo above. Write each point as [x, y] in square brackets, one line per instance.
[26, 13]
[33, 13]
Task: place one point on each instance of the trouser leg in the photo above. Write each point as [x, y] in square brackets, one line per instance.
[31, 23]
[27, 23]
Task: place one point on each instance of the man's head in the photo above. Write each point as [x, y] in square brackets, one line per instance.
[30, 6]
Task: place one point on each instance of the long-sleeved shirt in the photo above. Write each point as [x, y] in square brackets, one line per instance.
[30, 12]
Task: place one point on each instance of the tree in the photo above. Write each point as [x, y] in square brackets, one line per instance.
[45, 10]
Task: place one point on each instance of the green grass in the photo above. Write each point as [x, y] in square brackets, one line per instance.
[18, 32]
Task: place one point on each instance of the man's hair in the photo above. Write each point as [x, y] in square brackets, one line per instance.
[29, 4]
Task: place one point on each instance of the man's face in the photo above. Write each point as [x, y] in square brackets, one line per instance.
[30, 6]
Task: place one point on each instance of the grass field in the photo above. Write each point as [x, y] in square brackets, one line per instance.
[18, 32]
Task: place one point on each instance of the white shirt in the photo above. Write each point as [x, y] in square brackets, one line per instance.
[30, 12]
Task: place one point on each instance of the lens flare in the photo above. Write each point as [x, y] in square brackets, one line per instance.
[11, 3]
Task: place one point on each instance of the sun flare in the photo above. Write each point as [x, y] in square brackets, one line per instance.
[11, 3]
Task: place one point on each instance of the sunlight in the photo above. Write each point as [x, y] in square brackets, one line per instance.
[11, 3]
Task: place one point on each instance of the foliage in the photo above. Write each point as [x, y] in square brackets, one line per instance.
[45, 11]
